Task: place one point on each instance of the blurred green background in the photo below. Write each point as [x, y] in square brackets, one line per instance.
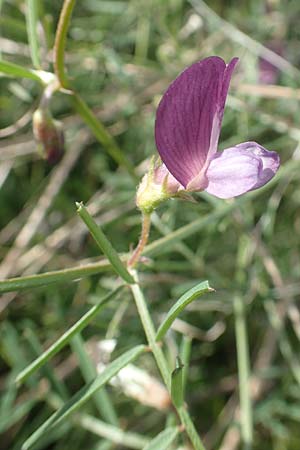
[120, 57]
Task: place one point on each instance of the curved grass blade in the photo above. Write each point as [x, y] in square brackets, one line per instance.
[163, 440]
[185, 299]
[65, 338]
[82, 396]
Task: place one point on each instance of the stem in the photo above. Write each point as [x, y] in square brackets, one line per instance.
[60, 42]
[161, 360]
[244, 372]
[146, 224]
[103, 135]
[150, 331]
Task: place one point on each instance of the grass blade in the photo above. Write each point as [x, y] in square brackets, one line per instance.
[13, 70]
[82, 396]
[112, 433]
[88, 370]
[65, 338]
[185, 299]
[32, 32]
[56, 276]
[163, 440]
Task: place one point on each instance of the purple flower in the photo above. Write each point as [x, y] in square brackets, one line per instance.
[187, 130]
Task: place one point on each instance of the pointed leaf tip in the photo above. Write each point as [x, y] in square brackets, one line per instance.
[184, 300]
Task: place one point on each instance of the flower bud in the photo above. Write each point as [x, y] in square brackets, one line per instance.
[49, 134]
[156, 186]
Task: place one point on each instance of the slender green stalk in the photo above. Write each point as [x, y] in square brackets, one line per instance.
[60, 42]
[103, 135]
[146, 224]
[32, 31]
[161, 361]
[150, 333]
[244, 372]
[104, 244]
[190, 428]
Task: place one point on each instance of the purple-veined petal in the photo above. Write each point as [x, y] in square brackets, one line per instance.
[240, 169]
[189, 117]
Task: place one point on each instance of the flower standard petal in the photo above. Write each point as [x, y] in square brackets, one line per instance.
[189, 117]
[240, 169]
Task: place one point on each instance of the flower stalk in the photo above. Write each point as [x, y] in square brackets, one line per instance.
[146, 224]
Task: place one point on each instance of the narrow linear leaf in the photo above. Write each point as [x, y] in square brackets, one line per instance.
[89, 371]
[177, 384]
[13, 70]
[112, 433]
[185, 299]
[163, 440]
[65, 338]
[16, 414]
[32, 31]
[82, 396]
[56, 276]
[104, 244]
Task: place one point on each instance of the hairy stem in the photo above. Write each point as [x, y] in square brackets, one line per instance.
[146, 224]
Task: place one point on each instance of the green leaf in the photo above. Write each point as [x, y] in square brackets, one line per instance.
[88, 369]
[104, 244]
[56, 276]
[163, 440]
[66, 337]
[14, 70]
[177, 384]
[32, 31]
[82, 396]
[185, 299]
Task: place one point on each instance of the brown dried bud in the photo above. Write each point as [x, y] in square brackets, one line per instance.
[49, 135]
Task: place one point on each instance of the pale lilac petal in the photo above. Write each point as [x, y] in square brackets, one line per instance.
[163, 176]
[270, 161]
[240, 169]
[189, 116]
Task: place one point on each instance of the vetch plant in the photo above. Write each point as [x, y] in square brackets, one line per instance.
[187, 130]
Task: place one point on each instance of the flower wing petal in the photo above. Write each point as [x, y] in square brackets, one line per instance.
[240, 169]
[189, 116]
